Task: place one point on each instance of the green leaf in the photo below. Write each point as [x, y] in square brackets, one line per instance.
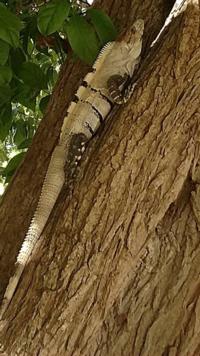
[5, 121]
[17, 58]
[30, 46]
[52, 76]
[32, 75]
[5, 113]
[52, 16]
[5, 94]
[30, 126]
[3, 157]
[5, 75]
[25, 96]
[20, 132]
[82, 38]
[25, 144]
[4, 52]
[10, 26]
[43, 103]
[12, 165]
[103, 25]
[29, 32]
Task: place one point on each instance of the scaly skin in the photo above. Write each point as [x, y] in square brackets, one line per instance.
[100, 90]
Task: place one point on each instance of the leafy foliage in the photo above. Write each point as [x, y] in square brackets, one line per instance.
[12, 165]
[82, 38]
[10, 26]
[52, 16]
[4, 52]
[35, 37]
[103, 25]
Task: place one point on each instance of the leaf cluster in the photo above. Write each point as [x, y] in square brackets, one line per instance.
[35, 38]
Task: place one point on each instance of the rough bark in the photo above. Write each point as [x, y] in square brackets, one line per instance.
[116, 271]
[20, 200]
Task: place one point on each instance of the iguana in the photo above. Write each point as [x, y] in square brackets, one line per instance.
[105, 85]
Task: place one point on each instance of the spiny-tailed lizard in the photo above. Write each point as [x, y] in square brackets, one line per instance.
[100, 89]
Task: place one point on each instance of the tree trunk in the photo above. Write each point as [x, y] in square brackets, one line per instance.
[116, 271]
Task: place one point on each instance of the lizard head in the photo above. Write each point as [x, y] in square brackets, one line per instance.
[133, 44]
[135, 32]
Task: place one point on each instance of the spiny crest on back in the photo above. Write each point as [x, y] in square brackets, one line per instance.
[103, 54]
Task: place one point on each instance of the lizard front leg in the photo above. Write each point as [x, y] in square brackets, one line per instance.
[128, 92]
[120, 88]
[115, 85]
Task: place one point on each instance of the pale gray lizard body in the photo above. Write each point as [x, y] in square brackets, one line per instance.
[94, 100]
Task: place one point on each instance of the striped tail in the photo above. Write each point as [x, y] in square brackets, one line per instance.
[52, 186]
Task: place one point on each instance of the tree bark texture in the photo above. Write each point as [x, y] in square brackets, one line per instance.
[117, 269]
[20, 200]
